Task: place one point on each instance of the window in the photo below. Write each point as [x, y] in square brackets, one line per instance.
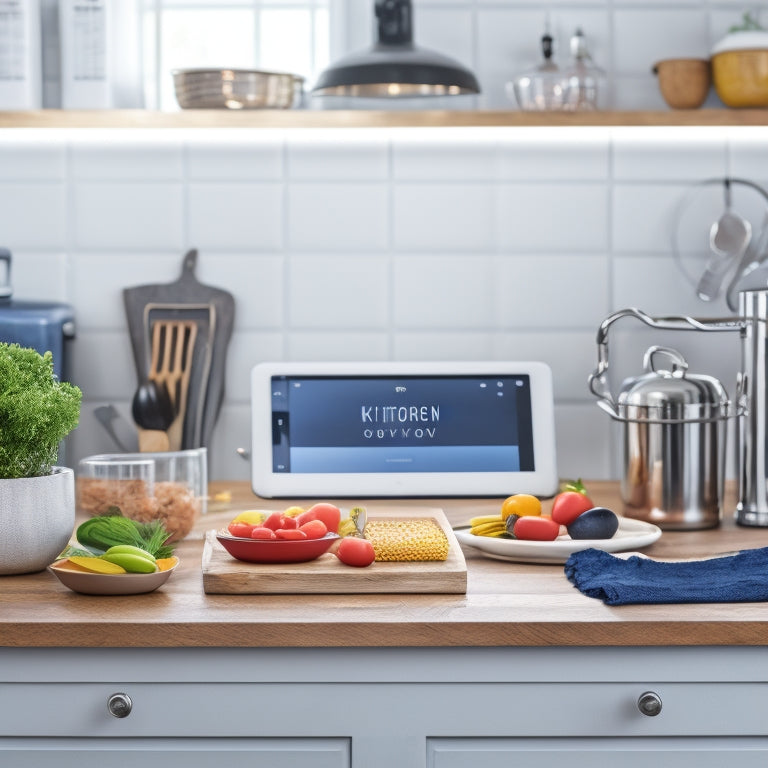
[281, 35]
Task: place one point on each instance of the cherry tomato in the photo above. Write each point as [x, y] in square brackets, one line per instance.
[290, 533]
[521, 504]
[355, 551]
[568, 505]
[330, 514]
[241, 530]
[531, 528]
[274, 521]
[260, 532]
[288, 522]
[314, 529]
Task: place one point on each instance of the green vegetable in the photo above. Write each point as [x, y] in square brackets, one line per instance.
[37, 411]
[100, 533]
[747, 24]
[573, 485]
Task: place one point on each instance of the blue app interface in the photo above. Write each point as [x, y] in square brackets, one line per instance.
[402, 424]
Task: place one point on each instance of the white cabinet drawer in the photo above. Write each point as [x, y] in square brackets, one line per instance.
[587, 753]
[175, 753]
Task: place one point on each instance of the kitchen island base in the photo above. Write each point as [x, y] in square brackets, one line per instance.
[371, 708]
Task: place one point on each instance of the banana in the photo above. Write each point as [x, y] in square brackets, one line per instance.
[488, 529]
[129, 549]
[132, 563]
[484, 519]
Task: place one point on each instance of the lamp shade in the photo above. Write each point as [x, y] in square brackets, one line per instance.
[394, 66]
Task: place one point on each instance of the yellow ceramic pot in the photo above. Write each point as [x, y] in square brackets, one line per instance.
[740, 69]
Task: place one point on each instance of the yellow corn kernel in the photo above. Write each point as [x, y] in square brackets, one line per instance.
[407, 539]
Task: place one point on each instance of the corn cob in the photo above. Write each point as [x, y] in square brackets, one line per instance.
[408, 539]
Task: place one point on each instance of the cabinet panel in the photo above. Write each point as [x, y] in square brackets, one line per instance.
[175, 753]
[586, 753]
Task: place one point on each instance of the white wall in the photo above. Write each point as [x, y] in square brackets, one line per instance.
[368, 244]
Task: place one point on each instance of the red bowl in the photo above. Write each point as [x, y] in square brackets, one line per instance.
[276, 550]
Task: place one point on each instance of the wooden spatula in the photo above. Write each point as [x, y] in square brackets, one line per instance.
[173, 346]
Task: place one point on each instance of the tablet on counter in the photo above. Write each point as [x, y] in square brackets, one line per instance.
[402, 429]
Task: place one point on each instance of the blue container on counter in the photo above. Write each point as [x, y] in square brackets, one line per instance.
[40, 325]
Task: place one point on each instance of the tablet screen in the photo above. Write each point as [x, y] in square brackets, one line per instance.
[402, 429]
[324, 424]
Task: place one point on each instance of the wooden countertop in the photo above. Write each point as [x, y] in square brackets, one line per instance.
[507, 604]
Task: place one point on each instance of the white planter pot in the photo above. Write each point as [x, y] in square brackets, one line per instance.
[37, 517]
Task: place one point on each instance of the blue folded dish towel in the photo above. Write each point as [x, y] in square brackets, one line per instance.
[742, 577]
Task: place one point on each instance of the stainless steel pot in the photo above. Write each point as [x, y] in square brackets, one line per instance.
[674, 435]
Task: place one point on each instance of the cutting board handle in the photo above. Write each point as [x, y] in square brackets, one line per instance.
[188, 267]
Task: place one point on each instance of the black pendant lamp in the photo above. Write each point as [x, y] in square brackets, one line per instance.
[394, 67]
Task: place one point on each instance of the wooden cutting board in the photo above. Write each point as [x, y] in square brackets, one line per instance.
[222, 574]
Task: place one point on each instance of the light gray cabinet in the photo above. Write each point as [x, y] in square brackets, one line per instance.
[384, 707]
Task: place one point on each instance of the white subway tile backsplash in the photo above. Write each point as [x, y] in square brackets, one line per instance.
[127, 215]
[538, 291]
[640, 38]
[126, 161]
[340, 346]
[439, 346]
[257, 159]
[341, 292]
[102, 365]
[25, 160]
[338, 217]
[236, 215]
[585, 448]
[671, 154]
[389, 244]
[549, 156]
[443, 217]
[33, 215]
[451, 158]
[553, 217]
[443, 292]
[39, 276]
[335, 156]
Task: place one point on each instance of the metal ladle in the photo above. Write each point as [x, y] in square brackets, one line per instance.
[153, 411]
[728, 240]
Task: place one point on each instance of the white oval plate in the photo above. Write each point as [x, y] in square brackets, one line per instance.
[632, 534]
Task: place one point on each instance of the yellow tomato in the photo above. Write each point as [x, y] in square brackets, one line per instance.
[522, 505]
[293, 511]
[252, 517]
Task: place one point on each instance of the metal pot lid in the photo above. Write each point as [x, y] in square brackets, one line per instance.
[671, 394]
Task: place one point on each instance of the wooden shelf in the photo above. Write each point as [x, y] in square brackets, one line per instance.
[54, 118]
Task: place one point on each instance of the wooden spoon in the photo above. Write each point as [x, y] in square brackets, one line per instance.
[173, 346]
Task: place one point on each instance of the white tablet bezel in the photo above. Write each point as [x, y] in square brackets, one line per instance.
[268, 484]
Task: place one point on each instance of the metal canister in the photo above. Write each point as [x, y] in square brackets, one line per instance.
[674, 441]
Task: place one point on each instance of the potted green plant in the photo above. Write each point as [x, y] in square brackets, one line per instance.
[37, 498]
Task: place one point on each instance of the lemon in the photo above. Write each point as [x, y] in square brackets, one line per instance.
[251, 516]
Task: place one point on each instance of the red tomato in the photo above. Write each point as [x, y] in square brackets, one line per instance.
[330, 514]
[355, 551]
[274, 521]
[260, 532]
[290, 533]
[568, 505]
[542, 528]
[242, 530]
[314, 529]
[288, 522]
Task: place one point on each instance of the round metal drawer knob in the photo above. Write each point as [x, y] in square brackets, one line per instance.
[119, 705]
[649, 703]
